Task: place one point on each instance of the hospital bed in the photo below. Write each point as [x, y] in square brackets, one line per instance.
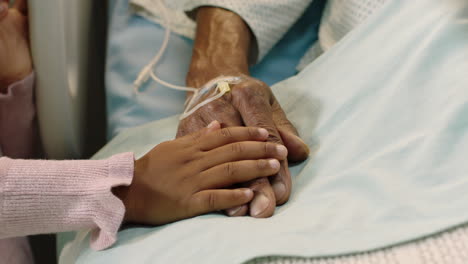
[68, 46]
[388, 144]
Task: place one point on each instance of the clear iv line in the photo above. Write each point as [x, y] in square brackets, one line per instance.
[148, 70]
[222, 82]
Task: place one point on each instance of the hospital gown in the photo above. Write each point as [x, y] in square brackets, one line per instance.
[269, 20]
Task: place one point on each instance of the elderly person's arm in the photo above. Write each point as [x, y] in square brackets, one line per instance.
[268, 20]
[223, 46]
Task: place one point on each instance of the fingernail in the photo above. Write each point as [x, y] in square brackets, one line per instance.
[263, 132]
[282, 150]
[274, 164]
[259, 204]
[212, 124]
[248, 192]
[234, 211]
[280, 189]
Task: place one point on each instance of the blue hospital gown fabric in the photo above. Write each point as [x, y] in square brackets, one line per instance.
[384, 111]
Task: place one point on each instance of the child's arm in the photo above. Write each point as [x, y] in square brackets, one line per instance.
[47, 196]
[17, 112]
[176, 180]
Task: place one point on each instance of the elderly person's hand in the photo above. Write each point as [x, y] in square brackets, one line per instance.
[221, 48]
[15, 58]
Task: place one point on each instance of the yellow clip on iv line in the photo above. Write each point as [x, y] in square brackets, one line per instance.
[218, 86]
[224, 87]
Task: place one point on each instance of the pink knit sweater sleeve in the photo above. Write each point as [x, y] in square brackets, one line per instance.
[38, 196]
[46, 196]
[18, 130]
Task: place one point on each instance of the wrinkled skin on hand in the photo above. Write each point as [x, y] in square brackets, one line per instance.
[252, 103]
[223, 45]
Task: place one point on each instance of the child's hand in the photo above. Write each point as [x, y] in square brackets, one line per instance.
[15, 58]
[184, 177]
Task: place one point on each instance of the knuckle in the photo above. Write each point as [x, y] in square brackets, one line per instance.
[194, 138]
[211, 201]
[252, 132]
[230, 169]
[236, 148]
[249, 90]
[225, 132]
[212, 107]
[266, 147]
[191, 123]
[244, 88]
[220, 109]
[270, 148]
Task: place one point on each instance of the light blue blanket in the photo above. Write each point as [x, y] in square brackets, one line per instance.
[386, 114]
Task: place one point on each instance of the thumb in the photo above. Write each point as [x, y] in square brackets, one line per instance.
[297, 148]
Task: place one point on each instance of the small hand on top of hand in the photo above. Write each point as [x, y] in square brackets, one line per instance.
[251, 103]
[192, 175]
